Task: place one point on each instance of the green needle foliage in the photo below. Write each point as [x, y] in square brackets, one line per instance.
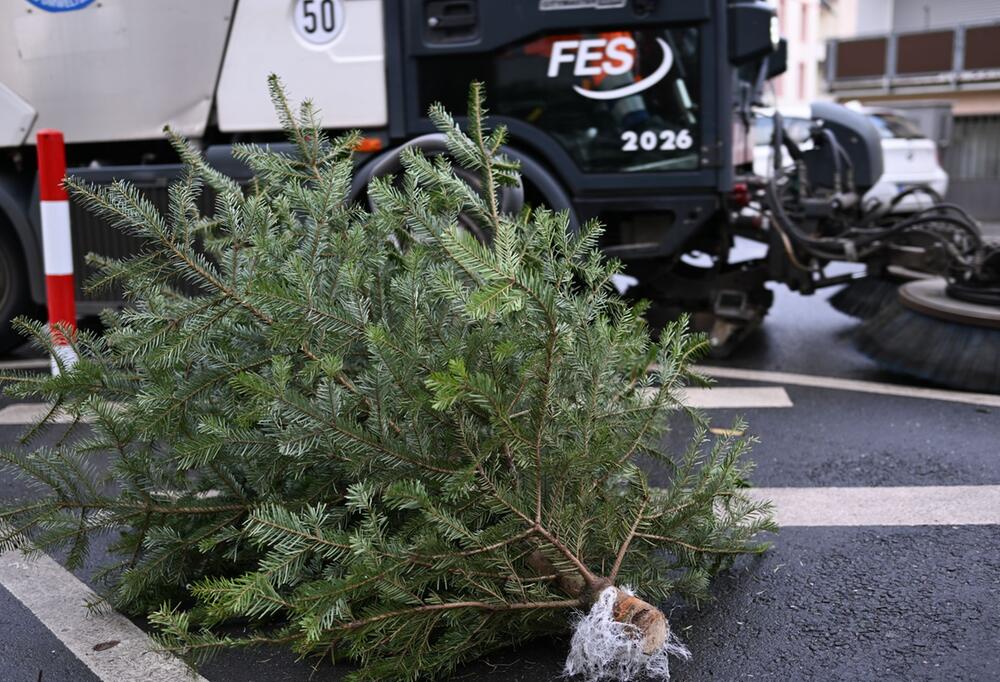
[368, 435]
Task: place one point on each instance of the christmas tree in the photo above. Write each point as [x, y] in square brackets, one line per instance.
[371, 435]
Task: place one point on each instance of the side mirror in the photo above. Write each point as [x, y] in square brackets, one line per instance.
[777, 62]
[753, 31]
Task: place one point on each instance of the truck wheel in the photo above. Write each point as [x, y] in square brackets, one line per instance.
[511, 199]
[14, 297]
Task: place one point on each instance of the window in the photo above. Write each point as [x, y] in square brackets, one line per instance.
[802, 80]
[798, 129]
[544, 81]
[892, 125]
[763, 130]
[804, 28]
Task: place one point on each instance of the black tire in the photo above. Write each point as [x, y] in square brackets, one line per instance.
[511, 199]
[15, 298]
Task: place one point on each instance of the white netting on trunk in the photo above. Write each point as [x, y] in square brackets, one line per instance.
[604, 649]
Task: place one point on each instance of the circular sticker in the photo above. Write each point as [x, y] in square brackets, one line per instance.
[318, 21]
[60, 5]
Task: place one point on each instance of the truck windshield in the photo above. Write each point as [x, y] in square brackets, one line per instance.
[616, 101]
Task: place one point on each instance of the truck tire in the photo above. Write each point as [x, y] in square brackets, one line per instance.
[15, 298]
[511, 199]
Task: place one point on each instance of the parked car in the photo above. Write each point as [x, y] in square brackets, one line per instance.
[909, 157]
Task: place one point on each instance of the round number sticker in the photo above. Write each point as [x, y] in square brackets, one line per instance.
[318, 21]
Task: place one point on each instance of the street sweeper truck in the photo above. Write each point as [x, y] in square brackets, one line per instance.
[638, 113]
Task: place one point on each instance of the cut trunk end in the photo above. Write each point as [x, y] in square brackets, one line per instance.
[622, 637]
[649, 623]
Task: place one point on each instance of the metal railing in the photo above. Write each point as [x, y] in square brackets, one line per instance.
[966, 57]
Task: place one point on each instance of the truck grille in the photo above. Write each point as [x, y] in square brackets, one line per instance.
[91, 234]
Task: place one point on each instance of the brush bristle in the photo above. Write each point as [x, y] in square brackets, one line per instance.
[946, 353]
[864, 298]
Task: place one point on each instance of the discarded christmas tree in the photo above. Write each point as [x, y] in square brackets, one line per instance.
[373, 437]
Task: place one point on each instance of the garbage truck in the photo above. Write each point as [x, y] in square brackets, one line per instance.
[637, 113]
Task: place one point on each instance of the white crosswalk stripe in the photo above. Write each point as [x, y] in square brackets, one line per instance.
[58, 599]
[836, 383]
[931, 505]
[721, 397]
[27, 413]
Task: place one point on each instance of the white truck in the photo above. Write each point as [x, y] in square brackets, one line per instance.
[110, 74]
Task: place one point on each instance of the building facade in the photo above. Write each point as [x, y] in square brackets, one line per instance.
[799, 21]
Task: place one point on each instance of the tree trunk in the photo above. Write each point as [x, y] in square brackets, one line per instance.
[649, 622]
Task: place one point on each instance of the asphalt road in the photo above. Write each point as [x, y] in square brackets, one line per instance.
[906, 602]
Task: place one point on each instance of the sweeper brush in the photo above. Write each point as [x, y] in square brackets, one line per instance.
[930, 333]
[865, 297]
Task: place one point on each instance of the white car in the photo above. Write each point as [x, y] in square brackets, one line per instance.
[909, 157]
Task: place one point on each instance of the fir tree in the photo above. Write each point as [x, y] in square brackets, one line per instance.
[368, 434]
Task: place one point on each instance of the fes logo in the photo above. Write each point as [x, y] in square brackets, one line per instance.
[60, 5]
[595, 56]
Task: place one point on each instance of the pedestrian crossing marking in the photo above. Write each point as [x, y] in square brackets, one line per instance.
[924, 505]
[730, 398]
[836, 383]
[59, 600]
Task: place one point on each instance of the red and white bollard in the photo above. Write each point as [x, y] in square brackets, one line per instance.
[57, 244]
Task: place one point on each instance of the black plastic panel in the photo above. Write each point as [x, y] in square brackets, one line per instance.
[92, 235]
[508, 21]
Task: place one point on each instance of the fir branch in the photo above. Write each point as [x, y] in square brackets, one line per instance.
[620, 556]
[695, 548]
[478, 605]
